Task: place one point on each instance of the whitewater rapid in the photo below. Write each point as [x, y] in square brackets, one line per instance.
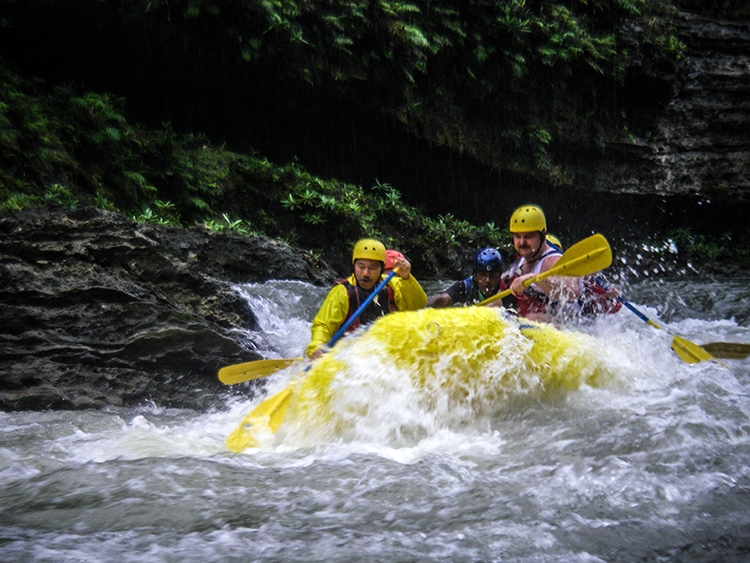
[648, 463]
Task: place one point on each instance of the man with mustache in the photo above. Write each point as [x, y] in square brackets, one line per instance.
[403, 293]
[528, 225]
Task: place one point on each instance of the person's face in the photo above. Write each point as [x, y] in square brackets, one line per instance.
[526, 244]
[367, 272]
[487, 282]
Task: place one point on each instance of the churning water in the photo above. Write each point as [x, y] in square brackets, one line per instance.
[651, 463]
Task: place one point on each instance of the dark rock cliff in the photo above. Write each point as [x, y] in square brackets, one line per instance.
[698, 144]
[97, 310]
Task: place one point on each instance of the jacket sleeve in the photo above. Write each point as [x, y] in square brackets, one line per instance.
[329, 318]
[408, 294]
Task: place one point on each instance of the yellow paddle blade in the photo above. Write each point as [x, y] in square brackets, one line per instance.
[248, 371]
[267, 416]
[689, 352]
[586, 257]
[729, 350]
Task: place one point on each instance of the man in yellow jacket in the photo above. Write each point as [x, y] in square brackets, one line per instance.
[402, 293]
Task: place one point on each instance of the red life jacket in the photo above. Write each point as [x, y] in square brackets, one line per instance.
[531, 300]
[594, 299]
[383, 304]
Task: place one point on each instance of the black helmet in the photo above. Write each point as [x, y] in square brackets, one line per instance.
[488, 259]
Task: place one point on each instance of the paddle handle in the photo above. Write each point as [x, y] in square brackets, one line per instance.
[359, 310]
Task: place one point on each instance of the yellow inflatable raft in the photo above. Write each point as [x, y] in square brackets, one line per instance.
[462, 362]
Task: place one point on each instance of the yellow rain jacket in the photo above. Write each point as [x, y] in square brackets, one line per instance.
[407, 293]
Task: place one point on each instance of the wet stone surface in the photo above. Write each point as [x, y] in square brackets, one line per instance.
[98, 311]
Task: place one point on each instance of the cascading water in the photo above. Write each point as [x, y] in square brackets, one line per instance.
[648, 460]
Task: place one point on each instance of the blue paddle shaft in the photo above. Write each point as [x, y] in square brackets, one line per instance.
[361, 308]
[625, 302]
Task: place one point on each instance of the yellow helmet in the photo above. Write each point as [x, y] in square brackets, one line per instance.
[528, 218]
[369, 249]
[554, 240]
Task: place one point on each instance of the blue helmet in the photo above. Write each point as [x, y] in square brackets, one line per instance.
[488, 259]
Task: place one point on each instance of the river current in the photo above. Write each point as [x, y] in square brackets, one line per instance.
[652, 466]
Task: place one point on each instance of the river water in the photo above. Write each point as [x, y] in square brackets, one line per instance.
[654, 465]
